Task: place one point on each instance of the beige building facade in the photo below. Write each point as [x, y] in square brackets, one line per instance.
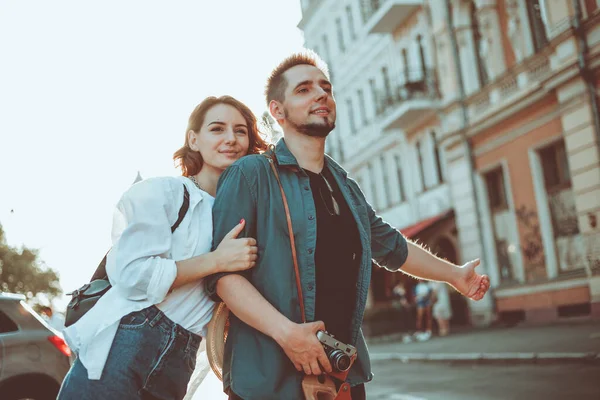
[473, 126]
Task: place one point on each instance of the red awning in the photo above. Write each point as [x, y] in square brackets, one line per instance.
[415, 229]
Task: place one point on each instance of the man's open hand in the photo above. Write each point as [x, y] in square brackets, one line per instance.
[300, 344]
[470, 283]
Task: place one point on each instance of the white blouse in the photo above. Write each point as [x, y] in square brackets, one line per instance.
[141, 266]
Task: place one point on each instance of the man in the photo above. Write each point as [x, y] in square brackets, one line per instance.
[337, 234]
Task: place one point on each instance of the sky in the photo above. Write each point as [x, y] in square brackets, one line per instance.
[93, 92]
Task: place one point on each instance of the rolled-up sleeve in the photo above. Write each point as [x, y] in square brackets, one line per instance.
[138, 264]
[388, 245]
[235, 200]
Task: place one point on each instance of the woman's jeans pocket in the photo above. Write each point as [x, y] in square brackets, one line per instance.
[134, 320]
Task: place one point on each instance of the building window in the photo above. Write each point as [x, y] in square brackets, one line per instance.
[494, 182]
[361, 104]
[375, 97]
[387, 87]
[340, 34]
[570, 244]
[478, 39]
[350, 22]
[421, 164]
[399, 176]
[556, 168]
[422, 55]
[536, 21]
[405, 64]
[557, 180]
[501, 222]
[351, 116]
[438, 160]
[326, 55]
[386, 182]
[373, 180]
[340, 147]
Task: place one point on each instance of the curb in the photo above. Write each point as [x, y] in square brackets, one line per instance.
[490, 358]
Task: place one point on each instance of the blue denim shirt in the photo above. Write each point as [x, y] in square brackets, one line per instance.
[254, 366]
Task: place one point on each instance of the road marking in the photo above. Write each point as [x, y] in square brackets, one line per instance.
[403, 397]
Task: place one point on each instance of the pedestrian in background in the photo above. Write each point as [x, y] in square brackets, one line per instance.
[442, 311]
[424, 296]
[404, 309]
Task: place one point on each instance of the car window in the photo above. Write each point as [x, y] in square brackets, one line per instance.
[7, 324]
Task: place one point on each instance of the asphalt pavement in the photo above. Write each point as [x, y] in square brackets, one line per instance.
[447, 381]
[570, 341]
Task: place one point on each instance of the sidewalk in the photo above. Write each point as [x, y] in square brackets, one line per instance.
[572, 341]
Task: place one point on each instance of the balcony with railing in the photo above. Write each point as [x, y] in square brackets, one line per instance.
[517, 82]
[384, 16]
[410, 102]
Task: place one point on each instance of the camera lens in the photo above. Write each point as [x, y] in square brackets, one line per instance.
[339, 360]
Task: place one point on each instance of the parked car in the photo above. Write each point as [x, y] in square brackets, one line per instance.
[34, 358]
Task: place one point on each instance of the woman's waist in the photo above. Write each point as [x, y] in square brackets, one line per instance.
[189, 306]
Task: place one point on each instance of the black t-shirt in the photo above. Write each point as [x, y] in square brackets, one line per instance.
[337, 257]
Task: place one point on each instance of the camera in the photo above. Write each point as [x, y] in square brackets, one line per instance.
[339, 354]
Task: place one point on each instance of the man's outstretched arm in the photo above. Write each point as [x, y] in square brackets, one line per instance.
[423, 264]
[392, 250]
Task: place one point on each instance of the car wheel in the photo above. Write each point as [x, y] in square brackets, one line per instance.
[31, 391]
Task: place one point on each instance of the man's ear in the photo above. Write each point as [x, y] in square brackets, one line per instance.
[276, 110]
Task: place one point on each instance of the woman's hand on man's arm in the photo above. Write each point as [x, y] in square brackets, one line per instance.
[232, 255]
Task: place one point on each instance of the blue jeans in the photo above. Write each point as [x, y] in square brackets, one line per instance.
[151, 358]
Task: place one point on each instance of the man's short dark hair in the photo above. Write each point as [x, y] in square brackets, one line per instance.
[277, 84]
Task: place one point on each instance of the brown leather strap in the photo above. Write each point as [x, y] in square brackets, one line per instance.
[292, 241]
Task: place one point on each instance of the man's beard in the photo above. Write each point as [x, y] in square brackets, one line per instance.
[312, 129]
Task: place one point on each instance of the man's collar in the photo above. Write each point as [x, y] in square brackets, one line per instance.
[284, 155]
[286, 158]
[335, 167]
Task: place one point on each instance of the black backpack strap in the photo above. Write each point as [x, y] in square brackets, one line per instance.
[100, 272]
[184, 208]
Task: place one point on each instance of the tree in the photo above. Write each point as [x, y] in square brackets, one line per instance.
[21, 271]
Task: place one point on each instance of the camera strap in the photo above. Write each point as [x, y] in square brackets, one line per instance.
[312, 386]
[272, 160]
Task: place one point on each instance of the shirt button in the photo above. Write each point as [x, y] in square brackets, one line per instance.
[306, 188]
[310, 251]
[310, 287]
[311, 217]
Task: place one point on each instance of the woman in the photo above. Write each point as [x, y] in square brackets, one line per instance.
[141, 339]
[423, 300]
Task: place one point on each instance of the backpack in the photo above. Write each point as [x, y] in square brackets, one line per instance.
[84, 298]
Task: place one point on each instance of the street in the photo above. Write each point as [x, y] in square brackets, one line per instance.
[397, 381]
